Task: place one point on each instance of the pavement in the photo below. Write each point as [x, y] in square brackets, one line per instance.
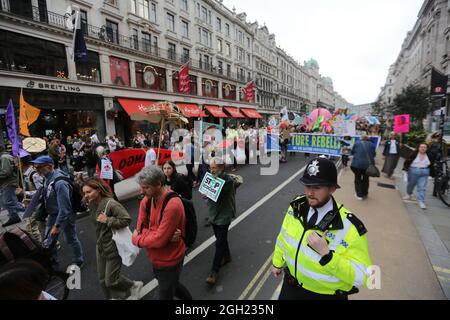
[410, 245]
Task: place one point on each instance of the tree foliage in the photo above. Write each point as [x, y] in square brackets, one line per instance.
[413, 100]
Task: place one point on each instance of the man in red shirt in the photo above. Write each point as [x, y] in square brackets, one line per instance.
[161, 233]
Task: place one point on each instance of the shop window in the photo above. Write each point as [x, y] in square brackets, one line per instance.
[150, 77]
[89, 70]
[32, 55]
[228, 91]
[210, 88]
[120, 73]
[192, 84]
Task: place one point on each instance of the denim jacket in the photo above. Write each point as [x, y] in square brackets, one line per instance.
[57, 197]
[360, 157]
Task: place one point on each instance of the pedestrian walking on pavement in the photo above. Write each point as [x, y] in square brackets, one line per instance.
[391, 155]
[419, 167]
[57, 194]
[108, 215]
[161, 231]
[363, 156]
[220, 214]
[177, 182]
[321, 247]
[8, 184]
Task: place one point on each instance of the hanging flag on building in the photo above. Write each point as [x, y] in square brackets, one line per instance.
[249, 92]
[73, 23]
[184, 81]
[438, 83]
[27, 115]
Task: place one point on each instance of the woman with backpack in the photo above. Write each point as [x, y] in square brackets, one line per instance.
[108, 215]
[363, 156]
[177, 182]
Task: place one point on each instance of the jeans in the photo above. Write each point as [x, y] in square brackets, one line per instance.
[71, 238]
[361, 182]
[8, 201]
[418, 178]
[169, 283]
[222, 249]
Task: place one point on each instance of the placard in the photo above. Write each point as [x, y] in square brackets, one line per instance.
[211, 186]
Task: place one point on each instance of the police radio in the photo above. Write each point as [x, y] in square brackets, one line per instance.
[329, 217]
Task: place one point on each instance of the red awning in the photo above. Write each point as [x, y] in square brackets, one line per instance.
[216, 111]
[234, 112]
[139, 106]
[190, 110]
[252, 113]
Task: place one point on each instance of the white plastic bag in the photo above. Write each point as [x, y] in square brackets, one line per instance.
[127, 250]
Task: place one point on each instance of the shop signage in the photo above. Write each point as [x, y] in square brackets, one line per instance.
[52, 86]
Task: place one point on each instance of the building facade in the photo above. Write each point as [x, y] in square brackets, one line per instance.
[425, 47]
[135, 51]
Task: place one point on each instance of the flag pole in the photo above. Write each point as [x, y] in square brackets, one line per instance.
[160, 136]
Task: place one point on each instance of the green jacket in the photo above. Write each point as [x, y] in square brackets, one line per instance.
[8, 173]
[118, 218]
[224, 210]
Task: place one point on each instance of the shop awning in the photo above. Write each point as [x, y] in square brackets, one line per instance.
[216, 111]
[234, 112]
[252, 113]
[191, 110]
[133, 107]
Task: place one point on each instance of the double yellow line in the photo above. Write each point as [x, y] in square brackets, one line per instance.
[258, 281]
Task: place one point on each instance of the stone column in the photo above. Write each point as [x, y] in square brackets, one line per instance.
[169, 78]
[132, 74]
[220, 86]
[109, 122]
[199, 87]
[105, 69]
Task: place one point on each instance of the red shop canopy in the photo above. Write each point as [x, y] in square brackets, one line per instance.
[234, 112]
[138, 106]
[252, 113]
[216, 111]
[191, 110]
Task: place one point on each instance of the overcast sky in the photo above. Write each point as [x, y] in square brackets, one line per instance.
[354, 41]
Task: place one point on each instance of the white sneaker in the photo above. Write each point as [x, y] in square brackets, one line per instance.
[135, 290]
[358, 198]
[422, 205]
[407, 197]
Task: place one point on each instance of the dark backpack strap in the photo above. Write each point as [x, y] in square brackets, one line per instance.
[166, 201]
[4, 248]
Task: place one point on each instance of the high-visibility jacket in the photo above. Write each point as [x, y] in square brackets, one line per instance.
[347, 265]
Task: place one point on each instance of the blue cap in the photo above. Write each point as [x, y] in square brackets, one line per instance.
[43, 160]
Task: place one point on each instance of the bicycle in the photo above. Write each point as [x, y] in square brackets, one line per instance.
[442, 181]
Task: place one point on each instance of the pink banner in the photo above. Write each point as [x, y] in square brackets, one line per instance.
[401, 123]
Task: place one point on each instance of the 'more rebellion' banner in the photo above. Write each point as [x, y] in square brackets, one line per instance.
[131, 161]
[325, 144]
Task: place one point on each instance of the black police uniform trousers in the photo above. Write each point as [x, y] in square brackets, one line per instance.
[291, 290]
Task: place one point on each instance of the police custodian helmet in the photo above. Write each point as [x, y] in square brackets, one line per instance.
[320, 172]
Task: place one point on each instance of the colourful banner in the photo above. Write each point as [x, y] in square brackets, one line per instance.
[131, 161]
[401, 123]
[323, 143]
[11, 128]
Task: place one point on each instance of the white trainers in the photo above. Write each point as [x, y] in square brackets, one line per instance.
[358, 198]
[409, 197]
[135, 290]
[422, 205]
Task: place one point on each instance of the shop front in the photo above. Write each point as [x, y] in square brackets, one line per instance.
[62, 113]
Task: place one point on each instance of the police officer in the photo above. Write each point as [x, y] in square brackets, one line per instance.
[322, 247]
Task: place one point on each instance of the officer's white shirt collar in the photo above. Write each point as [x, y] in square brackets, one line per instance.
[321, 211]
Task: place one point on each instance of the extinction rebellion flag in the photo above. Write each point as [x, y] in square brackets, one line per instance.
[438, 83]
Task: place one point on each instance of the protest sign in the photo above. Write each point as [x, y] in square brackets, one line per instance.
[211, 186]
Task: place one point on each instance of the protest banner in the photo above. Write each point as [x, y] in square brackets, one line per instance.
[401, 123]
[211, 186]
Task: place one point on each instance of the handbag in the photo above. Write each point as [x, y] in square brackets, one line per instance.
[128, 252]
[372, 170]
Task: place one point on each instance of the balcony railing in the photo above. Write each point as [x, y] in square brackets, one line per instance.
[108, 35]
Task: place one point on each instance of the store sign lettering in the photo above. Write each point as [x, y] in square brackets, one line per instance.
[49, 86]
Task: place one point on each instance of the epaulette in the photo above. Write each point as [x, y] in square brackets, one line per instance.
[357, 223]
[297, 202]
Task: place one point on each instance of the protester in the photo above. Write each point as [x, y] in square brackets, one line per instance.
[310, 247]
[220, 214]
[161, 233]
[150, 157]
[90, 160]
[112, 144]
[105, 165]
[177, 182]
[108, 215]
[346, 150]
[363, 156]
[94, 138]
[419, 168]
[61, 217]
[391, 155]
[8, 184]
[23, 279]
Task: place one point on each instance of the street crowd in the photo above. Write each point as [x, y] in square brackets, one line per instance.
[67, 178]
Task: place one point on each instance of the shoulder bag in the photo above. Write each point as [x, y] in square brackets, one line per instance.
[372, 170]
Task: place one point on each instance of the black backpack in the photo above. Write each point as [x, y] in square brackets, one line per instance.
[191, 217]
[77, 197]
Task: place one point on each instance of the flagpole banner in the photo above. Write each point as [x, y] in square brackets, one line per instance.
[323, 143]
[211, 186]
[184, 81]
[10, 120]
